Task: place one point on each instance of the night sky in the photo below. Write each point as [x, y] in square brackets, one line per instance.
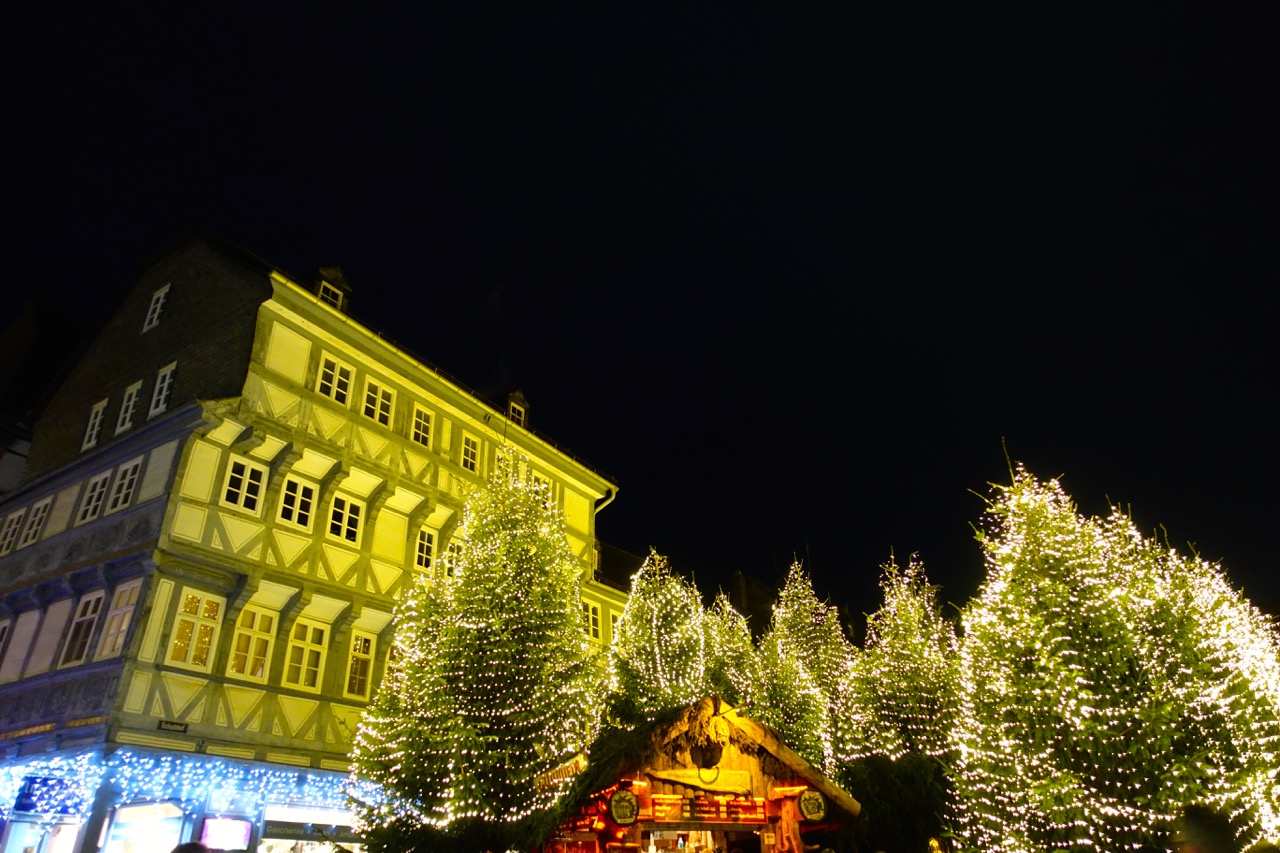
[795, 280]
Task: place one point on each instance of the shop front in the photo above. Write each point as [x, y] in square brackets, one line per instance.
[142, 801]
[711, 781]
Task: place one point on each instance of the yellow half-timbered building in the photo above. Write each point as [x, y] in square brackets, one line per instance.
[197, 577]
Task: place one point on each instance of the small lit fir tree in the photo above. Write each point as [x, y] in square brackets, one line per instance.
[658, 659]
[1105, 680]
[491, 685]
[905, 678]
[808, 663]
[904, 686]
[734, 671]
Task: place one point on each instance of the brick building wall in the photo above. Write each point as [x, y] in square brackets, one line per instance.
[206, 326]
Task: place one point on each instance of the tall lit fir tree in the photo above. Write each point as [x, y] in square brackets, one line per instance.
[491, 684]
[1105, 681]
[658, 659]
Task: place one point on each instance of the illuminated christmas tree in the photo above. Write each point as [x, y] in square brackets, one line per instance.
[658, 659]
[491, 685]
[734, 670]
[809, 666]
[905, 697]
[1106, 680]
[905, 678]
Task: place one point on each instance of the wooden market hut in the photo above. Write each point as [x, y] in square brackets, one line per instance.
[705, 778]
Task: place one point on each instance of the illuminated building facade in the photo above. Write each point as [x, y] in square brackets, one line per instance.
[222, 501]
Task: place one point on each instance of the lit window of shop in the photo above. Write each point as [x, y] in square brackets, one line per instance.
[195, 631]
[304, 664]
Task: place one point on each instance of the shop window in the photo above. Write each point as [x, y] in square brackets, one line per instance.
[94, 427]
[421, 431]
[153, 310]
[297, 500]
[305, 661]
[244, 485]
[126, 481]
[334, 379]
[377, 402]
[591, 620]
[426, 548]
[344, 518]
[195, 631]
[360, 665]
[94, 496]
[9, 533]
[251, 646]
[35, 523]
[471, 453]
[119, 616]
[77, 647]
[127, 407]
[160, 395]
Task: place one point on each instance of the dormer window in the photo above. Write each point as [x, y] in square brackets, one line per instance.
[332, 288]
[518, 408]
[330, 295]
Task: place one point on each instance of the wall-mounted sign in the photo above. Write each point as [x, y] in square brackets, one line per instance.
[812, 805]
[673, 808]
[624, 807]
[171, 726]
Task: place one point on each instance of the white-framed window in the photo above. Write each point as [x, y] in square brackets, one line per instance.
[77, 647]
[127, 407]
[304, 663]
[360, 664]
[251, 646]
[244, 484]
[451, 552]
[344, 518]
[330, 295]
[547, 488]
[126, 481]
[471, 453]
[94, 494]
[426, 548]
[160, 394]
[591, 620]
[613, 626]
[94, 427]
[297, 501]
[195, 631]
[420, 431]
[517, 413]
[9, 533]
[153, 310]
[377, 402]
[119, 616]
[35, 522]
[334, 379]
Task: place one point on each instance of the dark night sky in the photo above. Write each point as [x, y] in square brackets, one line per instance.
[790, 278]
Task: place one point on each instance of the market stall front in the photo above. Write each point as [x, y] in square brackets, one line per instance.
[711, 780]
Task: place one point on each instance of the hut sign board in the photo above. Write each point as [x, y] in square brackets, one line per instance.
[673, 808]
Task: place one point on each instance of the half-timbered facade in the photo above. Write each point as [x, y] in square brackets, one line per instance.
[223, 501]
